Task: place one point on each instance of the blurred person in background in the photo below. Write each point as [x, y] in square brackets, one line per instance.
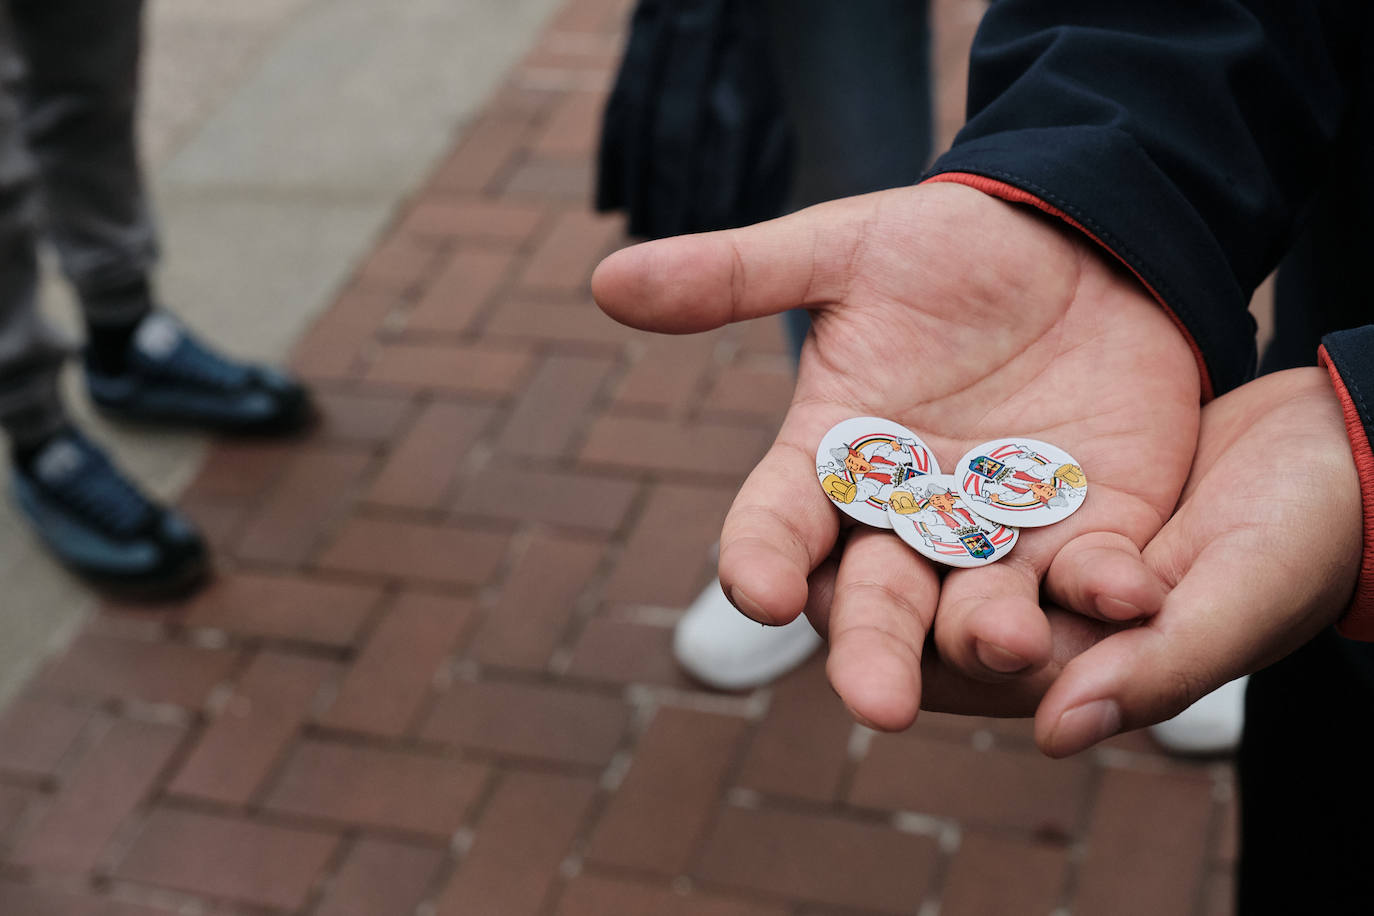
[69, 175]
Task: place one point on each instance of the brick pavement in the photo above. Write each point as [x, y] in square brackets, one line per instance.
[433, 671]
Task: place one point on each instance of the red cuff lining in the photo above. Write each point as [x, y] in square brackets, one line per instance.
[1013, 194]
[1358, 622]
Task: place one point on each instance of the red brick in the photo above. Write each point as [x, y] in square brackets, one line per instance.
[669, 372]
[395, 671]
[331, 349]
[544, 178]
[553, 408]
[42, 901]
[1029, 877]
[409, 550]
[316, 488]
[527, 830]
[473, 218]
[752, 392]
[670, 447]
[666, 558]
[1147, 844]
[422, 467]
[553, 323]
[372, 787]
[574, 128]
[819, 859]
[241, 746]
[458, 367]
[677, 775]
[595, 16]
[593, 895]
[564, 259]
[800, 749]
[537, 602]
[487, 150]
[289, 607]
[381, 878]
[97, 795]
[360, 416]
[459, 294]
[14, 801]
[397, 266]
[1019, 789]
[512, 491]
[241, 472]
[524, 720]
[98, 667]
[764, 336]
[219, 523]
[1227, 847]
[36, 734]
[1219, 898]
[626, 653]
[559, 50]
[230, 858]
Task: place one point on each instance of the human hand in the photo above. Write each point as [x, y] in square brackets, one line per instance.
[963, 318]
[1262, 553]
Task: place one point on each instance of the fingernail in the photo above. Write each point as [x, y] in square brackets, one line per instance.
[1083, 726]
[999, 659]
[1116, 609]
[746, 606]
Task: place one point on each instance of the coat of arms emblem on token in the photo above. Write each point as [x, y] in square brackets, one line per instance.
[931, 515]
[861, 459]
[1022, 482]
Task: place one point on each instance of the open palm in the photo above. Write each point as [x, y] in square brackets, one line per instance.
[965, 319]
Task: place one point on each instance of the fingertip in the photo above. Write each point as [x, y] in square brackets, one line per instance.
[1078, 728]
[761, 583]
[1104, 576]
[879, 688]
[1003, 638]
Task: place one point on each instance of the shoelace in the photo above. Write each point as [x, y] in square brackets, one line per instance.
[99, 493]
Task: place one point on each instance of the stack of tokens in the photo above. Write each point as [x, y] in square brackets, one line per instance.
[882, 474]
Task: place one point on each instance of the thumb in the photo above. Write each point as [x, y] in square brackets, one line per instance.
[694, 283]
[1225, 618]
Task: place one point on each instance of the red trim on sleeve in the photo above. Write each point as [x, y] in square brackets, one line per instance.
[1358, 622]
[1013, 194]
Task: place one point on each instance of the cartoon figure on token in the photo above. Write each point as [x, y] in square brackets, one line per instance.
[867, 469]
[935, 521]
[1026, 485]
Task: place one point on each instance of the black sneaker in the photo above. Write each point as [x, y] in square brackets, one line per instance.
[170, 377]
[100, 525]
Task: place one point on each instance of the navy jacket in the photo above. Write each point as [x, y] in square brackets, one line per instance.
[1193, 140]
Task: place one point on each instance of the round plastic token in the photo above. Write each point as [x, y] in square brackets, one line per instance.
[1022, 482]
[932, 515]
[860, 460]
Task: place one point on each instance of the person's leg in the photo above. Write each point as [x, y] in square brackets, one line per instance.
[31, 352]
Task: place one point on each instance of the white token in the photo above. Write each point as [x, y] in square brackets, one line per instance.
[860, 460]
[1022, 482]
[930, 514]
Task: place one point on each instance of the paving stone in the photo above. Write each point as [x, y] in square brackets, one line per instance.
[666, 559]
[333, 347]
[670, 373]
[1147, 844]
[14, 802]
[226, 857]
[578, 323]
[753, 392]
[443, 367]
[819, 859]
[96, 796]
[372, 787]
[467, 217]
[412, 550]
[397, 267]
[316, 488]
[283, 606]
[569, 180]
[800, 748]
[537, 602]
[671, 447]
[361, 416]
[99, 667]
[460, 292]
[574, 128]
[991, 875]
[36, 734]
[564, 258]
[1020, 789]
[381, 878]
[678, 771]
[525, 833]
[240, 472]
[423, 466]
[513, 491]
[250, 735]
[624, 652]
[552, 411]
[529, 721]
[485, 152]
[395, 671]
[44, 901]
[594, 895]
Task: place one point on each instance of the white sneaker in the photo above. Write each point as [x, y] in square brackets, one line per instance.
[722, 648]
[1209, 727]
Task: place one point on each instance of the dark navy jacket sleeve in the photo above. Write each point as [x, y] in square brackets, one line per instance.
[1187, 138]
